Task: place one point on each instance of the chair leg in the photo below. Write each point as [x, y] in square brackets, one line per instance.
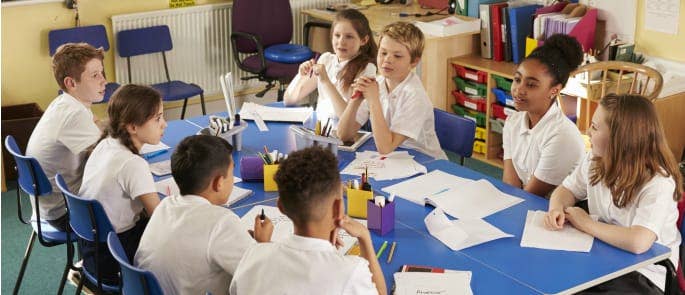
[183, 110]
[29, 248]
[79, 288]
[68, 266]
[462, 160]
[281, 92]
[202, 103]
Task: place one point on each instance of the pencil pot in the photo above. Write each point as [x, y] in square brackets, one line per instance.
[356, 202]
[269, 182]
[381, 220]
[305, 138]
[252, 168]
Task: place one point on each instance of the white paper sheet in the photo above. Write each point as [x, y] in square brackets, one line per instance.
[662, 16]
[169, 187]
[161, 168]
[418, 188]
[535, 235]
[463, 233]
[395, 165]
[476, 199]
[283, 226]
[447, 283]
[148, 148]
[267, 113]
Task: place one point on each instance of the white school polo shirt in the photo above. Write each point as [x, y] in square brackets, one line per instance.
[324, 105]
[408, 111]
[192, 246]
[116, 177]
[549, 151]
[653, 209]
[301, 265]
[58, 142]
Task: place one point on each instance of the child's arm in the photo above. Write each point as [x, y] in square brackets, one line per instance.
[348, 125]
[509, 175]
[636, 239]
[561, 199]
[360, 231]
[538, 187]
[302, 85]
[329, 90]
[386, 140]
[150, 202]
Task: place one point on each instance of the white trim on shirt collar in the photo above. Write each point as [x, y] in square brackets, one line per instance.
[192, 199]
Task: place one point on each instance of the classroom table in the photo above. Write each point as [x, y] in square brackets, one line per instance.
[498, 267]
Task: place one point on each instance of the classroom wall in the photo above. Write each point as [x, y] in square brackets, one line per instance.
[26, 73]
[659, 44]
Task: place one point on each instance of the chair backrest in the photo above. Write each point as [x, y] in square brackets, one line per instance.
[246, 16]
[143, 41]
[455, 133]
[86, 217]
[631, 78]
[94, 35]
[681, 226]
[31, 178]
[133, 280]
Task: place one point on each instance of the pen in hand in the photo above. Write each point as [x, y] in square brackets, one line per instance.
[262, 216]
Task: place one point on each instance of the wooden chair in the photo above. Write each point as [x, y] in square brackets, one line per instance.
[613, 78]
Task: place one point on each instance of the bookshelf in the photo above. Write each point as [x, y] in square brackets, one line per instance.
[492, 140]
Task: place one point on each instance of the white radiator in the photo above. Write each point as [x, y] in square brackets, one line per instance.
[202, 44]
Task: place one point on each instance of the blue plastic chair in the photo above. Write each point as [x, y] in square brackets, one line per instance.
[32, 180]
[90, 222]
[93, 35]
[157, 39]
[133, 280]
[455, 133]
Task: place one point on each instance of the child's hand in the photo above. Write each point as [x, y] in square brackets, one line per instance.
[367, 86]
[578, 218]
[320, 71]
[263, 229]
[554, 220]
[353, 227]
[305, 69]
[335, 239]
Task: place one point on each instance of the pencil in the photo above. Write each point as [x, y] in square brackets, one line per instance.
[392, 251]
[380, 251]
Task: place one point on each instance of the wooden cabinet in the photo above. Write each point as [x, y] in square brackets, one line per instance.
[491, 145]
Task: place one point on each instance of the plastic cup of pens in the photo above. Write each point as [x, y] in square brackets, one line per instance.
[229, 129]
[380, 215]
[271, 161]
[321, 136]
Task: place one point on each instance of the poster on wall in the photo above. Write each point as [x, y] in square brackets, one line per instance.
[662, 16]
[181, 3]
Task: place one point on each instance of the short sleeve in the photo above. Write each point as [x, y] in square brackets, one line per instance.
[79, 132]
[360, 281]
[362, 113]
[577, 181]
[369, 71]
[135, 178]
[506, 138]
[655, 201]
[228, 242]
[558, 157]
[410, 115]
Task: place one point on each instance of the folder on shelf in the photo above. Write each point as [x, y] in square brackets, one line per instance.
[520, 25]
[474, 6]
[496, 27]
[506, 33]
[485, 31]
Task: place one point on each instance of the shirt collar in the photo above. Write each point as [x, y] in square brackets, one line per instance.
[551, 112]
[307, 243]
[191, 199]
[398, 89]
[72, 100]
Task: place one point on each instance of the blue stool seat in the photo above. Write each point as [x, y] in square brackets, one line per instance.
[51, 234]
[288, 53]
[175, 90]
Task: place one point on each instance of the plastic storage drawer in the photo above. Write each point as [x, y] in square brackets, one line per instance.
[503, 83]
[470, 88]
[477, 117]
[480, 147]
[501, 112]
[503, 97]
[480, 133]
[472, 102]
[473, 75]
[497, 125]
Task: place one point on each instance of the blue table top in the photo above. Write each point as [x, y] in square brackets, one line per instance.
[498, 267]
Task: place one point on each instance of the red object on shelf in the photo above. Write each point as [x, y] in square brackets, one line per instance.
[469, 74]
[501, 112]
[474, 103]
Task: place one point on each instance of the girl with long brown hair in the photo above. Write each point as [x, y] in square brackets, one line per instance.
[332, 74]
[118, 177]
[632, 182]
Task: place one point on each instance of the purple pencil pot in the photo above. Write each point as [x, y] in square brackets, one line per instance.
[381, 220]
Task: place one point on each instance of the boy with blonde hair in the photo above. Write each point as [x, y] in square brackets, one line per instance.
[307, 262]
[67, 128]
[396, 103]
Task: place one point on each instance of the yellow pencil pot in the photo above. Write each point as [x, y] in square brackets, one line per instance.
[356, 202]
[269, 182]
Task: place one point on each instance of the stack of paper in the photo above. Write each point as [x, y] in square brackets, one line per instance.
[168, 187]
[462, 233]
[148, 148]
[395, 165]
[449, 26]
[161, 168]
[458, 197]
[299, 115]
[535, 235]
[284, 228]
[449, 282]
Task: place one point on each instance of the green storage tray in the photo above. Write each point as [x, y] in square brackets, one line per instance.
[470, 88]
[477, 117]
[503, 83]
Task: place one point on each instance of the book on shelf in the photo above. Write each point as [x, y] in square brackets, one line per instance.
[449, 26]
